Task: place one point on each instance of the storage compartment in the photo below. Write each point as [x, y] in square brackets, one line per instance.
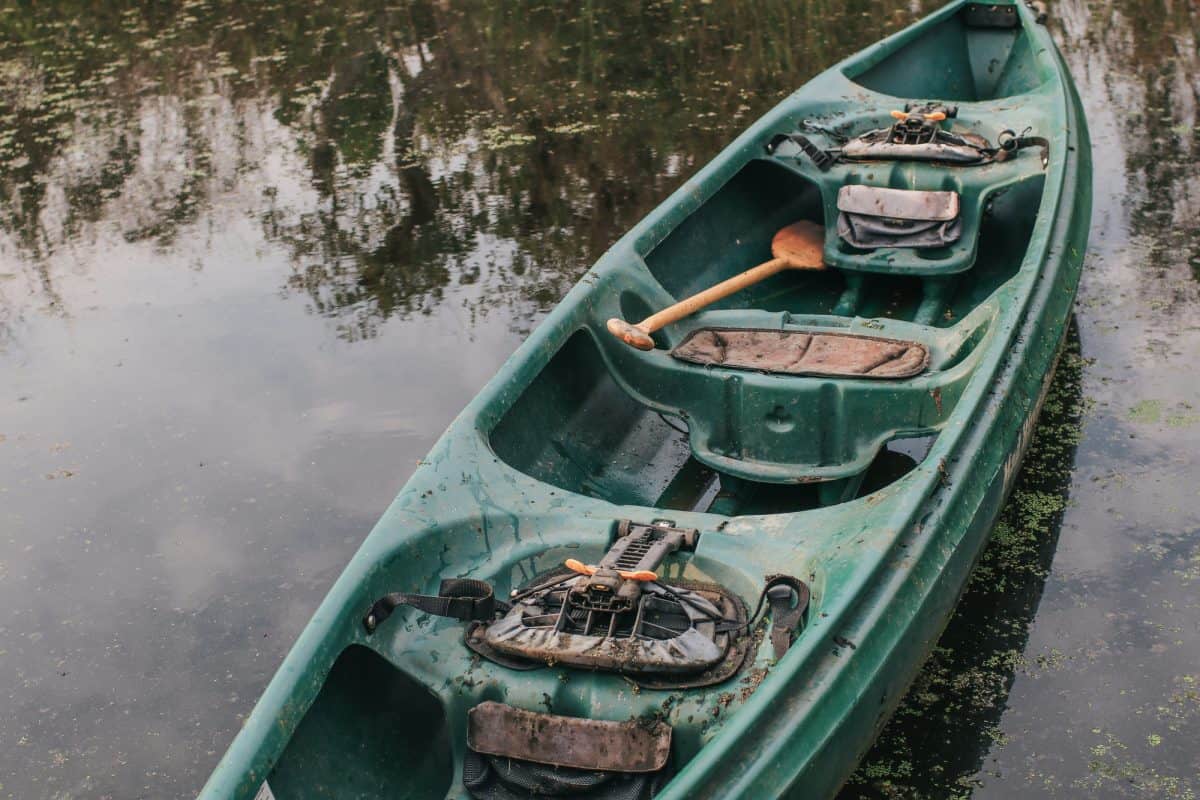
[372, 732]
[732, 232]
[956, 61]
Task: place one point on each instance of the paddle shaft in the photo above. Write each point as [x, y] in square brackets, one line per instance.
[711, 295]
[797, 246]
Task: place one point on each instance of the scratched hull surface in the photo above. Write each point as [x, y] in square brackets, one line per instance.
[878, 494]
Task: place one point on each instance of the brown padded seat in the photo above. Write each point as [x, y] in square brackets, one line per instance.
[803, 353]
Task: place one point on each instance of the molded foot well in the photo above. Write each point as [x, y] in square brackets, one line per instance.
[373, 732]
[575, 428]
[953, 61]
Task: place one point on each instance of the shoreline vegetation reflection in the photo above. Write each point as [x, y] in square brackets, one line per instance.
[390, 149]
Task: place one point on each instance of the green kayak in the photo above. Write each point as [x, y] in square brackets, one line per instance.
[710, 568]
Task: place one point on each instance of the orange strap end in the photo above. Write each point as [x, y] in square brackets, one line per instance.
[587, 569]
[936, 116]
[899, 115]
[579, 566]
[640, 575]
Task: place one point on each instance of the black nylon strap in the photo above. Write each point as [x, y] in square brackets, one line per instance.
[785, 617]
[822, 159]
[458, 598]
[778, 593]
[1009, 143]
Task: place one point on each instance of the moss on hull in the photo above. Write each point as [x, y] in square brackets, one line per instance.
[962, 690]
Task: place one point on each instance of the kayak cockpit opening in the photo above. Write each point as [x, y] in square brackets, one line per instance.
[936, 285]
[979, 53]
[799, 380]
[732, 230]
[372, 731]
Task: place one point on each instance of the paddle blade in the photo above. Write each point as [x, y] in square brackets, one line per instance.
[801, 245]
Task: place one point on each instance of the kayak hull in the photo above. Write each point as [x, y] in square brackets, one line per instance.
[569, 436]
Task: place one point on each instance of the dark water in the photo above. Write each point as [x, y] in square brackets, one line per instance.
[254, 257]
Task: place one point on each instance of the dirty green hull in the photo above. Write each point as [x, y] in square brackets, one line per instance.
[577, 430]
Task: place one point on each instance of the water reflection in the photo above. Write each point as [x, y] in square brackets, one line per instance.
[1153, 51]
[392, 150]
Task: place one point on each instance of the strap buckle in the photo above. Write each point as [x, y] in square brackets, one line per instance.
[463, 599]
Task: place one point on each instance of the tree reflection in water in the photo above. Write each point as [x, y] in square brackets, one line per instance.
[393, 150]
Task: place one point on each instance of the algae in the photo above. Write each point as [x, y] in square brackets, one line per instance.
[935, 742]
[1147, 411]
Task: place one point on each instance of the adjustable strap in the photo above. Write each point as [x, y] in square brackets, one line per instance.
[1009, 143]
[822, 159]
[785, 617]
[458, 598]
[778, 593]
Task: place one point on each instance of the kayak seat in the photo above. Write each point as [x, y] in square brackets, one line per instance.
[789, 406]
[795, 352]
[946, 201]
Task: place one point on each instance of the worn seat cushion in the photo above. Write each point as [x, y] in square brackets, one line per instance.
[803, 352]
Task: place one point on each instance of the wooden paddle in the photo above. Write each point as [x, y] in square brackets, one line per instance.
[798, 246]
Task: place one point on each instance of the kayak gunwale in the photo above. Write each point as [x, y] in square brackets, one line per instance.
[806, 683]
[881, 597]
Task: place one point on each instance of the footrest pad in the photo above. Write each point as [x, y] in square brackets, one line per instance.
[804, 353]
[502, 730]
